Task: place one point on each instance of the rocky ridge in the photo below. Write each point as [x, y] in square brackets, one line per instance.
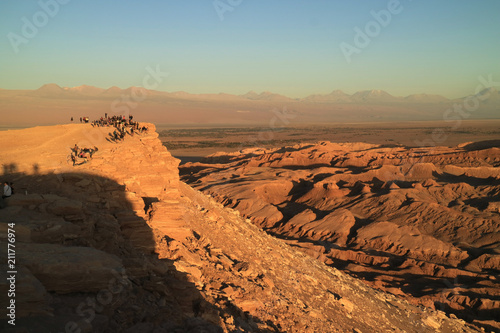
[421, 223]
[119, 244]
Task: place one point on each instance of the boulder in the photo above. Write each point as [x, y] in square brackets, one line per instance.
[64, 269]
[65, 207]
[25, 200]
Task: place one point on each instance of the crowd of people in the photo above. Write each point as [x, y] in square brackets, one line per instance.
[112, 121]
[85, 154]
[123, 127]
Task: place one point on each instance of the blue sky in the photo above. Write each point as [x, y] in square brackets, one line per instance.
[290, 47]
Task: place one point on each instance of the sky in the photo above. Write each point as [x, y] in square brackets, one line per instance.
[291, 47]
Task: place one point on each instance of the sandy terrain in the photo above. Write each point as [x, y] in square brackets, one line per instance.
[31, 149]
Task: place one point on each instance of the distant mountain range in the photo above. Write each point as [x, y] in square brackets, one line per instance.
[52, 104]
[336, 96]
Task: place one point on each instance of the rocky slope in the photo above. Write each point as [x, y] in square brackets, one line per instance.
[119, 244]
[421, 223]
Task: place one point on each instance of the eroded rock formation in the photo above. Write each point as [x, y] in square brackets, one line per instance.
[422, 223]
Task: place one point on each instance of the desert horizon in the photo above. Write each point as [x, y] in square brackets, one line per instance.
[88, 90]
[51, 104]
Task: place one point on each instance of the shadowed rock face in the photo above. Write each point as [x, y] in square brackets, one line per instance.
[421, 223]
[120, 245]
[85, 257]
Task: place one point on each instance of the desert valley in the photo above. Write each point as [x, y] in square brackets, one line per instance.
[421, 223]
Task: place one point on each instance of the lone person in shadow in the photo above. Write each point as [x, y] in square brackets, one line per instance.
[6, 192]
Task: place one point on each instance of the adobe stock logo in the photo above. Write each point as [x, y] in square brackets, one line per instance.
[372, 29]
[225, 6]
[126, 103]
[30, 28]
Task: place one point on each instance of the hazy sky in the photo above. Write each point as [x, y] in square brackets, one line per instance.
[292, 47]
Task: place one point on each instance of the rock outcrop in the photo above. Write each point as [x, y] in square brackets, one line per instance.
[421, 223]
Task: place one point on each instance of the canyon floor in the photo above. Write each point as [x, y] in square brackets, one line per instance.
[418, 222]
[120, 244]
